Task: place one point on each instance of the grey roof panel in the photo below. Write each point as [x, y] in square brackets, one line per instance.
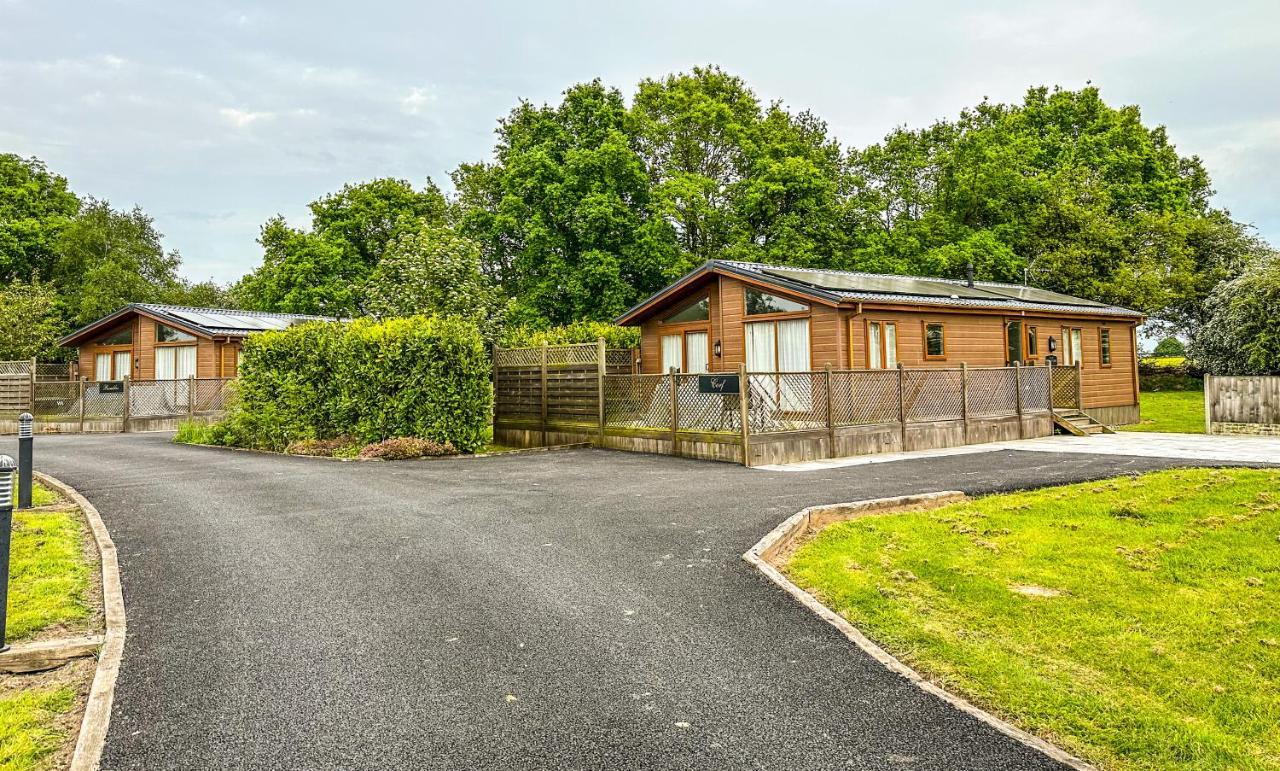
[221, 320]
[870, 282]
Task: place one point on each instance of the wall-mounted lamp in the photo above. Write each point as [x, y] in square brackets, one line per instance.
[716, 348]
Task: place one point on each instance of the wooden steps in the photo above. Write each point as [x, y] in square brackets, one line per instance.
[1079, 423]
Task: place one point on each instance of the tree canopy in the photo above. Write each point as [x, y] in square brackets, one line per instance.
[1242, 334]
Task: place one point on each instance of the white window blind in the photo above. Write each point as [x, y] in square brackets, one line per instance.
[186, 361]
[672, 353]
[102, 367]
[696, 344]
[123, 361]
[760, 347]
[175, 362]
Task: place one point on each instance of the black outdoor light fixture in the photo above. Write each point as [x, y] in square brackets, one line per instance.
[716, 348]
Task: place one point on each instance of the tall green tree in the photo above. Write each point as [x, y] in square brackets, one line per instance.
[107, 258]
[35, 205]
[435, 272]
[1242, 333]
[323, 270]
[30, 322]
[563, 211]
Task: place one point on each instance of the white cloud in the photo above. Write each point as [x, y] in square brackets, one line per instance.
[417, 100]
[244, 118]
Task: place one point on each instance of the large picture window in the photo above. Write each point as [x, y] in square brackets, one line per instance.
[175, 362]
[168, 334]
[781, 346]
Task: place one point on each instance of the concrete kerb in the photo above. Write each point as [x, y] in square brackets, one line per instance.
[97, 712]
[773, 551]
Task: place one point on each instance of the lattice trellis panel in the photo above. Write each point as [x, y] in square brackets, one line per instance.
[213, 395]
[57, 399]
[787, 401]
[705, 412]
[992, 393]
[1035, 389]
[864, 397]
[637, 401]
[15, 368]
[932, 394]
[159, 398]
[1065, 389]
[62, 371]
[102, 405]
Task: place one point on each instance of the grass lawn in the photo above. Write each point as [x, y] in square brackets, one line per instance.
[49, 585]
[28, 735]
[1134, 621]
[39, 495]
[1179, 412]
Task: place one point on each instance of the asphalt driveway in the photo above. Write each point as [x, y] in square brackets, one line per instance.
[582, 609]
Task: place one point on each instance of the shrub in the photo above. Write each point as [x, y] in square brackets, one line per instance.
[1242, 336]
[191, 432]
[338, 446]
[404, 447]
[577, 332]
[411, 377]
[1170, 346]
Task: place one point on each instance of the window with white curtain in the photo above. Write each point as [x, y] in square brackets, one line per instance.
[781, 346]
[761, 349]
[882, 345]
[124, 360]
[175, 362]
[695, 344]
[102, 367]
[672, 352]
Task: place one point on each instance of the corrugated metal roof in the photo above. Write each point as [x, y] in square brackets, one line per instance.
[881, 287]
[222, 321]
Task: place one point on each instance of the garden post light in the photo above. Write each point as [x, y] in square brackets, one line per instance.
[24, 459]
[7, 467]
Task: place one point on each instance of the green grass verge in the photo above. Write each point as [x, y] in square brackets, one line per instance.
[26, 735]
[1161, 648]
[40, 496]
[48, 575]
[1180, 412]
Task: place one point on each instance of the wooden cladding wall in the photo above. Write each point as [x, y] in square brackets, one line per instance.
[838, 336]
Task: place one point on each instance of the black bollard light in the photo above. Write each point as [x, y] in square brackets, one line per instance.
[25, 441]
[7, 467]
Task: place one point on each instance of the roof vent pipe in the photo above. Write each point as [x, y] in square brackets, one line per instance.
[968, 273]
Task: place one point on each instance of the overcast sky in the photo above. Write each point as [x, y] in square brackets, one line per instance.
[214, 116]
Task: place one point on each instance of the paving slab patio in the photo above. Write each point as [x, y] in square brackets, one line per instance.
[1195, 447]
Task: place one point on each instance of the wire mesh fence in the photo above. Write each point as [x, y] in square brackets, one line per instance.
[72, 400]
[932, 394]
[992, 393]
[1035, 389]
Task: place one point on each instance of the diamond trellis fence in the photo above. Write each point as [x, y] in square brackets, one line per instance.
[932, 394]
[708, 412]
[637, 401]
[1035, 389]
[1065, 387]
[864, 397]
[787, 401]
[71, 400]
[992, 393]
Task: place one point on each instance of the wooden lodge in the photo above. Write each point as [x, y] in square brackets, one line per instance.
[784, 319]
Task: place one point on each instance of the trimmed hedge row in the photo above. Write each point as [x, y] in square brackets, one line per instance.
[577, 332]
[372, 380]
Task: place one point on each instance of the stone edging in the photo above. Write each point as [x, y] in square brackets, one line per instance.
[783, 540]
[97, 712]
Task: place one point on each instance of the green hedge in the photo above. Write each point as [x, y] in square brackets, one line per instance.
[417, 376]
[577, 332]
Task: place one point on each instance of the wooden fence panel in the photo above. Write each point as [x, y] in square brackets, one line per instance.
[1242, 404]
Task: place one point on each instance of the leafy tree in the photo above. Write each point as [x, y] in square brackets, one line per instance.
[562, 214]
[29, 321]
[107, 258]
[34, 207]
[434, 272]
[1170, 346]
[322, 271]
[1242, 334]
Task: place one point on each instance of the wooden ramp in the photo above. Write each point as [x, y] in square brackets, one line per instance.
[1079, 423]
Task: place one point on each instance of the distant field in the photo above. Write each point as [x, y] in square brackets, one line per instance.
[1165, 361]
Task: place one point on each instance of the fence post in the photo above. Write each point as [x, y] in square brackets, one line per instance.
[602, 353]
[831, 421]
[675, 413]
[31, 382]
[82, 404]
[744, 408]
[191, 397]
[902, 403]
[964, 398]
[1017, 399]
[1208, 405]
[1053, 412]
[543, 392]
[124, 411]
[1080, 384]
